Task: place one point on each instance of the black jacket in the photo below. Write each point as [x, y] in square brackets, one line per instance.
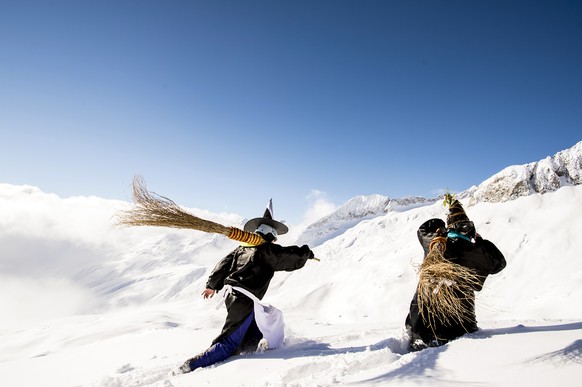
[482, 256]
[252, 268]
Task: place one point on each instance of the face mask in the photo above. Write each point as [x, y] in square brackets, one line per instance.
[266, 229]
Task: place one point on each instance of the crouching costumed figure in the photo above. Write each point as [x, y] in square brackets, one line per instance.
[456, 263]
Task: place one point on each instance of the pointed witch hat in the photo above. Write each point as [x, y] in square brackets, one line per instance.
[267, 218]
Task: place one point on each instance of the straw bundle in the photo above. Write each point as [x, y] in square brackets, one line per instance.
[152, 209]
[443, 286]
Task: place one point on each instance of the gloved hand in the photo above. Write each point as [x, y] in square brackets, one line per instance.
[441, 231]
[306, 250]
[432, 226]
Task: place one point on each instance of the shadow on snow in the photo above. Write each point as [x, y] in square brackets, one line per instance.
[417, 364]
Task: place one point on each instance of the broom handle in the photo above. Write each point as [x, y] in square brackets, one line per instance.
[249, 237]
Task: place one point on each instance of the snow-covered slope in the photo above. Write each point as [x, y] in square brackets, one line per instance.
[74, 243]
[85, 303]
[344, 314]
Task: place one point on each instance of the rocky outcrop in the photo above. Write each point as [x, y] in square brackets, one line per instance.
[549, 174]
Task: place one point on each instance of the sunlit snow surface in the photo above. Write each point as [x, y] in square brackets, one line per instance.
[87, 304]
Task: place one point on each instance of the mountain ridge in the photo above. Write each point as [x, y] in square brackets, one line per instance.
[546, 175]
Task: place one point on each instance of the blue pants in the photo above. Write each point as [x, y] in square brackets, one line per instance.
[246, 333]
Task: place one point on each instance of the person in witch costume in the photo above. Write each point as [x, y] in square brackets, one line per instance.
[245, 274]
[466, 248]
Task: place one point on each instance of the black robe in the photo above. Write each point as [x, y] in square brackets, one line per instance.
[482, 256]
[252, 268]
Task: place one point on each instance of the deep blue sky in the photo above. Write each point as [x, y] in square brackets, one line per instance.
[221, 105]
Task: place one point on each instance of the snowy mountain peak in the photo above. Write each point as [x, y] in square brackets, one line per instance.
[547, 175]
[354, 211]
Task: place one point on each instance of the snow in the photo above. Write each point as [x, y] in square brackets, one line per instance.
[87, 304]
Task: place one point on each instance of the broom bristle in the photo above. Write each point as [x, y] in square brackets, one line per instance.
[439, 286]
[152, 209]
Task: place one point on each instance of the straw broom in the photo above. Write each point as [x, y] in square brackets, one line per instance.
[152, 209]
